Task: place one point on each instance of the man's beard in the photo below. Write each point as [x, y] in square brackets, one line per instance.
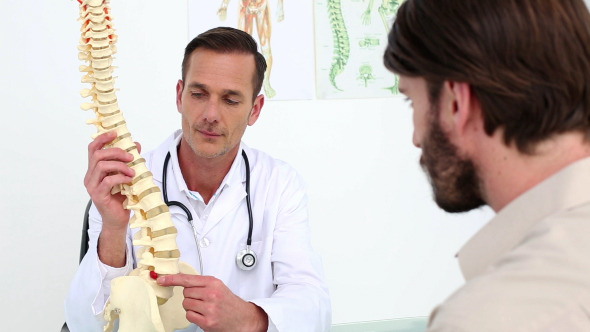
[454, 180]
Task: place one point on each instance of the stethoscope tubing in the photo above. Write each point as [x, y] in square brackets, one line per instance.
[190, 216]
[165, 191]
[248, 203]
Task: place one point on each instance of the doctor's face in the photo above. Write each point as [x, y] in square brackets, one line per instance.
[215, 102]
[453, 178]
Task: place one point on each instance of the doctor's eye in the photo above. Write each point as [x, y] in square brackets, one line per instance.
[231, 101]
[197, 94]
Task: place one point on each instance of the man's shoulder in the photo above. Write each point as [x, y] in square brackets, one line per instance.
[513, 302]
[542, 282]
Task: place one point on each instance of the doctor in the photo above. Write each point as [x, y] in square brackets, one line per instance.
[258, 273]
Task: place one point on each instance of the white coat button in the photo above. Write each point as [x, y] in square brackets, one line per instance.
[204, 243]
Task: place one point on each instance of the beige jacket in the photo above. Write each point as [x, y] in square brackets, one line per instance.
[528, 269]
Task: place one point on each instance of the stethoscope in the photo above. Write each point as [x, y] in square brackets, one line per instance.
[246, 258]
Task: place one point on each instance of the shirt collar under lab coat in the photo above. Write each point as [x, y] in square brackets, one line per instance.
[509, 227]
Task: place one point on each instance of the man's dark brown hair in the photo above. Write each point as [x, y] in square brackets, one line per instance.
[527, 61]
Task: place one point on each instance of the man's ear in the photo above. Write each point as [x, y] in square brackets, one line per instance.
[256, 109]
[464, 107]
[179, 89]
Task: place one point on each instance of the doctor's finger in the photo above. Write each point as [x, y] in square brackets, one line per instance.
[104, 169]
[184, 280]
[100, 141]
[206, 315]
[197, 318]
[114, 155]
[112, 180]
[101, 194]
[109, 154]
[196, 305]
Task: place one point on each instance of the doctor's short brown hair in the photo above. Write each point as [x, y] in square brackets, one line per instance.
[227, 40]
[527, 61]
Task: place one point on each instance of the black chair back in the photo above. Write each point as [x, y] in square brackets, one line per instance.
[83, 246]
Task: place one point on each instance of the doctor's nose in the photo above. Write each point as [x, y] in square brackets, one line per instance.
[211, 113]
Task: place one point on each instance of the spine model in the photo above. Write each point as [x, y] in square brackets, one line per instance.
[159, 253]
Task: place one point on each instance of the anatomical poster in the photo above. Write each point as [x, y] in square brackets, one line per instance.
[284, 33]
[350, 38]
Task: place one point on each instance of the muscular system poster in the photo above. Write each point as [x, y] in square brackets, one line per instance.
[283, 30]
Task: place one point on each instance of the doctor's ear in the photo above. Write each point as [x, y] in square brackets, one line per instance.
[179, 89]
[256, 109]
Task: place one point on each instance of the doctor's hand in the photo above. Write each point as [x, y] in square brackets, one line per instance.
[213, 307]
[108, 168]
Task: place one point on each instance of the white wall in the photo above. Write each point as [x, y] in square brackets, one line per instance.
[387, 249]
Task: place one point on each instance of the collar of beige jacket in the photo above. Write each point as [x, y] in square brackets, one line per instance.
[563, 190]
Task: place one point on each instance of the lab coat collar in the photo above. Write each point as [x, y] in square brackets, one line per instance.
[565, 189]
[158, 155]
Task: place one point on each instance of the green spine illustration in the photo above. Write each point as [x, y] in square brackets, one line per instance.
[341, 41]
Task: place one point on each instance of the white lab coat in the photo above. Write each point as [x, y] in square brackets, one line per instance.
[288, 281]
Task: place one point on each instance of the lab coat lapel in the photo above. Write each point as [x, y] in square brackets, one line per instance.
[231, 196]
[228, 201]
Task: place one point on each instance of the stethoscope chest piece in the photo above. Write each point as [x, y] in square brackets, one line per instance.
[246, 259]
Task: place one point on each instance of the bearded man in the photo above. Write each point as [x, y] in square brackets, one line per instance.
[500, 92]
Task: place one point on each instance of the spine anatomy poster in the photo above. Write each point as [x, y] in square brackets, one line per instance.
[350, 38]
